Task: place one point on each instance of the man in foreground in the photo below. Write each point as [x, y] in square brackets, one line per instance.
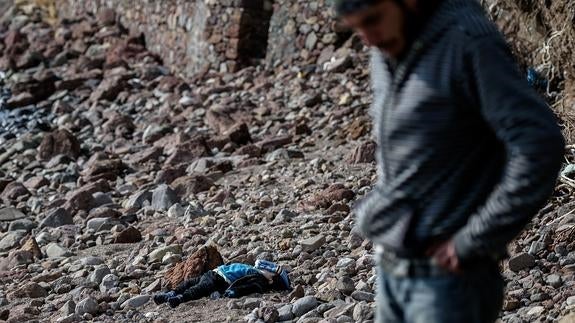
[467, 154]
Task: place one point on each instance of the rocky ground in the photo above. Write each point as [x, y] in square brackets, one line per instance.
[118, 179]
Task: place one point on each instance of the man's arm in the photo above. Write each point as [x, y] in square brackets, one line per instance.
[533, 142]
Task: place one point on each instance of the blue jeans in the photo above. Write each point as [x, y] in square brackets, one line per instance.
[476, 296]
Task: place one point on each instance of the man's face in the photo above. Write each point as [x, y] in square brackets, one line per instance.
[381, 26]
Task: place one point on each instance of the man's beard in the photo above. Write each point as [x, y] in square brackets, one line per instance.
[415, 21]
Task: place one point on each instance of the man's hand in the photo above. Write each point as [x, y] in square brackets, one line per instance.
[445, 256]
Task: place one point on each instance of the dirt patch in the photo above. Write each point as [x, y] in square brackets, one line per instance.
[542, 34]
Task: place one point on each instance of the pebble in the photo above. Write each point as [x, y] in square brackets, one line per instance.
[163, 197]
[304, 305]
[87, 305]
[53, 250]
[108, 283]
[313, 243]
[554, 280]
[521, 261]
[136, 301]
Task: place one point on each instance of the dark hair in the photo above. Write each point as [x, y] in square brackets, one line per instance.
[345, 7]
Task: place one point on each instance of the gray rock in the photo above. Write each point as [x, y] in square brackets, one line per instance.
[285, 313]
[195, 210]
[101, 224]
[11, 214]
[163, 198]
[53, 250]
[91, 261]
[339, 311]
[176, 211]
[69, 319]
[32, 290]
[11, 240]
[251, 303]
[57, 218]
[311, 41]
[98, 274]
[536, 247]
[359, 295]
[313, 243]
[87, 305]
[284, 216]
[304, 305]
[69, 308]
[135, 302]
[521, 261]
[362, 312]
[22, 224]
[345, 285]
[101, 199]
[138, 200]
[158, 254]
[554, 280]
[108, 282]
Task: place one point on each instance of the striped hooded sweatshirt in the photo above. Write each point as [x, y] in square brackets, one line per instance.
[466, 149]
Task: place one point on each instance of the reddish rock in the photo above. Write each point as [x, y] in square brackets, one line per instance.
[31, 290]
[221, 118]
[110, 88]
[169, 143]
[32, 91]
[275, 142]
[15, 41]
[107, 17]
[81, 199]
[121, 126]
[338, 207]
[104, 169]
[104, 212]
[59, 142]
[13, 191]
[333, 194]
[129, 235]
[169, 174]
[32, 246]
[239, 134]
[152, 153]
[364, 153]
[188, 152]
[218, 142]
[359, 128]
[82, 29]
[204, 259]
[250, 162]
[301, 128]
[253, 151]
[189, 185]
[220, 197]
[36, 182]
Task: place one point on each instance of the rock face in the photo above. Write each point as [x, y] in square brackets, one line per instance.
[190, 41]
[206, 258]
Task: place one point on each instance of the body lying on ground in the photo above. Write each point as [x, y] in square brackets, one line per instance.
[232, 280]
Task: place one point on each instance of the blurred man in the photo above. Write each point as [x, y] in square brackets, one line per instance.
[467, 154]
